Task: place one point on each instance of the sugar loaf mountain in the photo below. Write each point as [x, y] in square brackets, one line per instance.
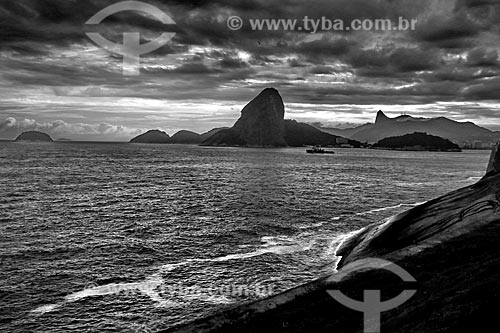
[465, 134]
[262, 124]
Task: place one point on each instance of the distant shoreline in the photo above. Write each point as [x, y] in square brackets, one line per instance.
[191, 144]
[416, 149]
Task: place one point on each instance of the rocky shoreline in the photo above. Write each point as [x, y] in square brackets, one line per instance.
[449, 245]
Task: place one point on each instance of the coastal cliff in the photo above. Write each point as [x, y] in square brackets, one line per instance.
[435, 221]
[449, 245]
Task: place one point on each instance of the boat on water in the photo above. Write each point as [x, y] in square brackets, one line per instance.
[319, 150]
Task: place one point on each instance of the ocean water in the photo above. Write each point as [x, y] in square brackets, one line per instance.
[101, 237]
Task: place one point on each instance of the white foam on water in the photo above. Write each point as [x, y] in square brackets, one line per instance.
[382, 209]
[114, 288]
[372, 211]
[217, 299]
[45, 308]
[271, 245]
[341, 240]
[312, 226]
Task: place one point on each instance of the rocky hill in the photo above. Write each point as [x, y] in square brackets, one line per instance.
[213, 131]
[186, 137]
[301, 134]
[417, 141]
[152, 136]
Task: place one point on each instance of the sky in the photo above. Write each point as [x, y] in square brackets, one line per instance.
[53, 78]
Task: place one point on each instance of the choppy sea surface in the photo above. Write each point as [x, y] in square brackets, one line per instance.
[99, 237]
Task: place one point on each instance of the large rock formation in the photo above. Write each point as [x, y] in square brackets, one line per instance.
[152, 136]
[34, 136]
[455, 213]
[494, 164]
[381, 118]
[262, 124]
[262, 120]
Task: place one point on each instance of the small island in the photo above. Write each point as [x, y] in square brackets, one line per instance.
[34, 136]
[417, 141]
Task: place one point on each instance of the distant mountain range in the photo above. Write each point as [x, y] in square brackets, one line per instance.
[261, 124]
[181, 137]
[458, 132]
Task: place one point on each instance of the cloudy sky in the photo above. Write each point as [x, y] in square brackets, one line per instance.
[55, 79]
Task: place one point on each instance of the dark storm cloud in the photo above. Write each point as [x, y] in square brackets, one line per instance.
[324, 47]
[438, 29]
[322, 70]
[62, 22]
[483, 57]
[484, 90]
[229, 62]
[394, 62]
[43, 21]
[414, 59]
[460, 74]
[369, 58]
[193, 68]
[451, 57]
